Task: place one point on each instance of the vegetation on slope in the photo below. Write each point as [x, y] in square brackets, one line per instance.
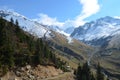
[73, 52]
[18, 48]
[84, 73]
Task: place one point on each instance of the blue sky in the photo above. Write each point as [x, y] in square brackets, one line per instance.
[63, 12]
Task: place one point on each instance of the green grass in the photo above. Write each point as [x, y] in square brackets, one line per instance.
[76, 46]
[110, 63]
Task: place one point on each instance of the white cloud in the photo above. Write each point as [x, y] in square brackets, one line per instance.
[89, 7]
[45, 19]
[117, 17]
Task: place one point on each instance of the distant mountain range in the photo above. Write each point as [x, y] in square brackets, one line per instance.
[69, 30]
[104, 35]
[57, 38]
[101, 38]
[102, 32]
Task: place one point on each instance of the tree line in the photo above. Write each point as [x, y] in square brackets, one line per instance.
[84, 73]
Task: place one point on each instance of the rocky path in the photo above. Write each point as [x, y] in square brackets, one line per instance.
[38, 73]
[63, 76]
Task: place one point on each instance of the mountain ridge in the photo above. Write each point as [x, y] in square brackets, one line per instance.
[61, 42]
[94, 30]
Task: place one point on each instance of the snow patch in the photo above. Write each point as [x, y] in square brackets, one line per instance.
[70, 40]
[100, 28]
[26, 24]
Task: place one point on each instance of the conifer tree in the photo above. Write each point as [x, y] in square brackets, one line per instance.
[79, 72]
[39, 52]
[84, 72]
[99, 74]
[16, 23]
[11, 21]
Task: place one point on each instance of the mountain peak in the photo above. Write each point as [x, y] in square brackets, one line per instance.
[31, 26]
[25, 23]
[101, 28]
[5, 13]
[108, 19]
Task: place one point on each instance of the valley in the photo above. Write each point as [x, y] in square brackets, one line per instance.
[95, 42]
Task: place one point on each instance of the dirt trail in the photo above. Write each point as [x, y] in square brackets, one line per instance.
[63, 76]
[38, 73]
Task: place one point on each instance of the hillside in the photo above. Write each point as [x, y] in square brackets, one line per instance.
[26, 24]
[103, 34]
[74, 51]
[19, 49]
[49, 49]
[66, 47]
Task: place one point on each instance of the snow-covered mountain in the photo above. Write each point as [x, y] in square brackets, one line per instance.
[98, 32]
[104, 35]
[56, 38]
[26, 24]
[69, 30]
[33, 27]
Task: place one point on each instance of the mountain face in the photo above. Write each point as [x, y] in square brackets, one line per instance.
[66, 47]
[104, 35]
[104, 32]
[98, 32]
[69, 30]
[31, 26]
[26, 24]
[19, 49]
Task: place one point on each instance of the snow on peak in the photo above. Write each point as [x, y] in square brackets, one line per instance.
[100, 28]
[8, 12]
[33, 27]
[26, 24]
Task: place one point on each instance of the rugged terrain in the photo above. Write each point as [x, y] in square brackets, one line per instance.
[103, 35]
[33, 43]
[67, 47]
[38, 73]
[96, 41]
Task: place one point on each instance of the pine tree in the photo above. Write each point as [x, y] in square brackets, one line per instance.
[92, 77]
[17, 26]
[99, 74]
[84, 72]
[79, 72]
[16, 23]
[38, 52]
[107, 78]
[11, 20]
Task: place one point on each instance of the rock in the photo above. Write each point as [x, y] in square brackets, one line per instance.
[22, 69]
[18, 73]
[31, 77]
[28, 67]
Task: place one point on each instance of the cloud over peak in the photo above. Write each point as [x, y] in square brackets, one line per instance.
[89, 8]
[117, 17]
[45, 19]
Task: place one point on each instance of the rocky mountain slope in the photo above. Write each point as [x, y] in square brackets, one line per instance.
[69, 30]
[104, 35]
[98, 32]
[26, 24]
[58, 39]
[25, 57]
